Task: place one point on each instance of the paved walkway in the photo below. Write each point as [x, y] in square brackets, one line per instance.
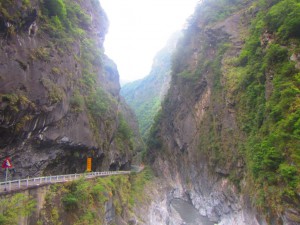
[6, 187]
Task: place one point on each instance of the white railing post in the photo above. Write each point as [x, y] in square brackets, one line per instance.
[19, 183]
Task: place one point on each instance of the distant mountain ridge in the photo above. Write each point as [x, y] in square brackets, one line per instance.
[145, 95]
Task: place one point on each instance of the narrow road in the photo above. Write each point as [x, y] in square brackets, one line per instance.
[6, 187]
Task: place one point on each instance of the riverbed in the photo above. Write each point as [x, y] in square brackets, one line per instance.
[188, 214]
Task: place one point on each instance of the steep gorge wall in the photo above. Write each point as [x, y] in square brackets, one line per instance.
[145, 95]
[201, 141]
[59, 95]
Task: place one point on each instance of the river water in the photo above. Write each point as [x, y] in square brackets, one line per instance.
[188, 213]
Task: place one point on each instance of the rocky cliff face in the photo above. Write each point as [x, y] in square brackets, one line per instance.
[199, 141]
[59, 95]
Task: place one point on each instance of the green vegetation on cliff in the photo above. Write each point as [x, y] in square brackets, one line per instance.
[138, 183]
[85, 201]
[253, 114]
[11, 209]
[65, 19]
[268, 90]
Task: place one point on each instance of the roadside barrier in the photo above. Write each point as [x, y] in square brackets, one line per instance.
[36, 181]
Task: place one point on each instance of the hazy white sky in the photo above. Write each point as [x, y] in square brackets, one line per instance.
[139, 29]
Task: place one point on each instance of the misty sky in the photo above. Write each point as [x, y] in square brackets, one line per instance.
[139, 29]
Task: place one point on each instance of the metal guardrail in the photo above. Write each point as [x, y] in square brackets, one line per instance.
[30, 182]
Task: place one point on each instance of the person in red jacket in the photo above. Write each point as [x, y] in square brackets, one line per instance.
[8, 165]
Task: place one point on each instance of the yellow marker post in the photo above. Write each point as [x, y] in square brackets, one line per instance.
[89, 165]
